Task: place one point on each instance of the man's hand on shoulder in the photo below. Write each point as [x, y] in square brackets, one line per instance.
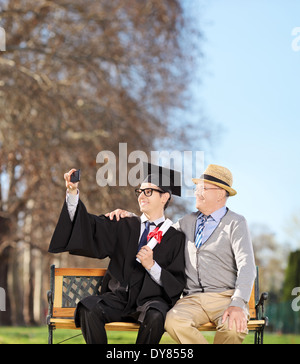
[119, 214]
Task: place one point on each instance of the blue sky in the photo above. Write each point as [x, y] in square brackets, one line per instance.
[250, 86]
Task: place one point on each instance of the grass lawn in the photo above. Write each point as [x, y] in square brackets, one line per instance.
[39, 335]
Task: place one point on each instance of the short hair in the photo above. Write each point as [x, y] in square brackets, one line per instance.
[168, 202]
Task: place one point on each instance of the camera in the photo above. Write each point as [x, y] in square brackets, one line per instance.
[75, 176]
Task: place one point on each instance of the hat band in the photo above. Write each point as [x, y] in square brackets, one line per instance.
[214, 179]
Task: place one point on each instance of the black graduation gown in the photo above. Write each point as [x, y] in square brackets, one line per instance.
[126, 282]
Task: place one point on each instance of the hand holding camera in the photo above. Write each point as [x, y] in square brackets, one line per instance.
[72, 179]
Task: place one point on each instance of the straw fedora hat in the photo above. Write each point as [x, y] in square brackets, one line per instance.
[219, 176]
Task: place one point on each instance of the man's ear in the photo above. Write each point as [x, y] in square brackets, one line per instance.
[221, 194]
[165, 197]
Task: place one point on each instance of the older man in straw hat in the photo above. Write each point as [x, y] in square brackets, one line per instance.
[220, 265]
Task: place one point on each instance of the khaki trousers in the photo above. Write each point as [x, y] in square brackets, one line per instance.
[195, 310]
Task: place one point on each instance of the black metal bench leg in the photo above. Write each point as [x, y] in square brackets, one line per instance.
[50, 335]
[262, 336]
[259, 336]
[256, 337]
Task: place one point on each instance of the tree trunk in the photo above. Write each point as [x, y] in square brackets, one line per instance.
[5, 317]
[15, 286]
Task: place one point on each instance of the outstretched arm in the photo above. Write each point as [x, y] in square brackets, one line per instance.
[80, 232]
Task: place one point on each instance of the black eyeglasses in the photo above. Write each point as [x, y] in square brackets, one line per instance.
[147, 191]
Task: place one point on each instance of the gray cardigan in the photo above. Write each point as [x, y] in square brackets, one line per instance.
[224, 262]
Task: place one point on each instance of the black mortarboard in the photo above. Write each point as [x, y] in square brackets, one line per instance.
[166, 179]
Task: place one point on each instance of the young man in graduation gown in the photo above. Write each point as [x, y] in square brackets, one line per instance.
[131, 291]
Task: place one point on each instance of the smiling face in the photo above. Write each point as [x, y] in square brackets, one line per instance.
[152, 206]
[209, 198]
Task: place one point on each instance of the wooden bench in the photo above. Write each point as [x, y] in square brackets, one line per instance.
[69, 285]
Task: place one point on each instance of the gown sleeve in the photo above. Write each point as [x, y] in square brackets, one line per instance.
[173, 277]
[88, 235]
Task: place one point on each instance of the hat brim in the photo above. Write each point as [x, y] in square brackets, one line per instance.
[230, 190]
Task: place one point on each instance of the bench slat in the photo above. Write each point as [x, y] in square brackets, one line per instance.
[60, 312]
[80, 272]
[64, 323]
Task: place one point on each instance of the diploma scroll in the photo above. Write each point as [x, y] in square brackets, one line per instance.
[163, 229]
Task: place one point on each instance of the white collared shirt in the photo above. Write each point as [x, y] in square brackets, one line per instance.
[212, 222]
[152, 227]
[155, 271]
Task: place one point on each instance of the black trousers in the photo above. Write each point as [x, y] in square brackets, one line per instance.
[92, 324]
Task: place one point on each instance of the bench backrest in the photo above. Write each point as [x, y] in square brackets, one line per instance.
[70, 285]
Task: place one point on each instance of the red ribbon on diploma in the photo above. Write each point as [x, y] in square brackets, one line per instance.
[155, 234]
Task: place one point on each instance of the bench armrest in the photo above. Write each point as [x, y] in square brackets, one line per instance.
[260, 307]
[50, 306]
